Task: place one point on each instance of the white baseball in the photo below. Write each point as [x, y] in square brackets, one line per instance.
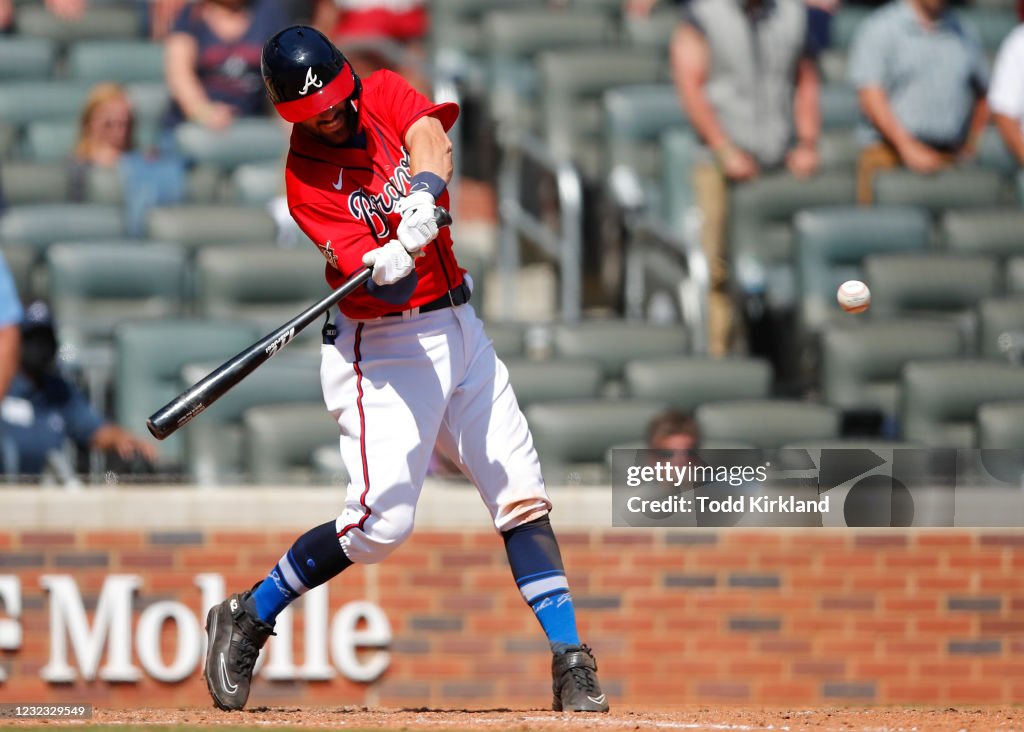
[854, 296]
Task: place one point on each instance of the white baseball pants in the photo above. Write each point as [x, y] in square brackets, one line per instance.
[397, 386]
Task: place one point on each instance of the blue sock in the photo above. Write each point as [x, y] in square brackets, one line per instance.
[314, 558]
[537, 567]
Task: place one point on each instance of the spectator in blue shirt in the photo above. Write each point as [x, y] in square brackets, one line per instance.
[921, 75]
[42, 410]
[10, 336]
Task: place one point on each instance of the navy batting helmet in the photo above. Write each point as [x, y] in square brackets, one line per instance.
[305, 74]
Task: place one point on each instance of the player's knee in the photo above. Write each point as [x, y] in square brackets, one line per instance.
[379, 539]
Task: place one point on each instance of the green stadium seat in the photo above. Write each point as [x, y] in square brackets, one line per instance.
[831, 243]
[679, 151]
[509, 339]
[121, 61]
[511, 40]
[1001, 425]
[22, 102]
[255, 184]
[1015, 276]
[214, 443]
[997, 232]
[861, 365]
[574, 435]
[33, 182]
[929, 283]
[40, 225]
[98, 22]
[615, 342]
[635, 117]
[95, 286]
[553, 380]
[50, 140]
[838, 150]
[27, 58]
[245, 141]
[833, 64]
[21, 261]
[264, 286]
[687, 382]
[840, 107]
[844, 25]
[652, 34]
[572, 84]
[994, 155]
[767, 423]
[997, 318]
[949, 189]
[149, 358]
[196, 225]
[940, 399]
[279, 441]
[328, 467]
[761, 224]
[149, 101]
[991, 24]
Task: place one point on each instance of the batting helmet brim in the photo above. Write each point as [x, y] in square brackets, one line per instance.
[337, 90]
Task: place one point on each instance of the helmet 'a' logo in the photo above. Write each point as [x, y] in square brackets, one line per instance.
[311, 81]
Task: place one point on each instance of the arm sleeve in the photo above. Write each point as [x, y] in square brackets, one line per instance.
[81, 419]
[402, 105]
[1006, 91]
[183, 21]
[10, 305]
[867, 55]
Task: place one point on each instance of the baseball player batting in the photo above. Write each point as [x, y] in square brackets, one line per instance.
[405, 366]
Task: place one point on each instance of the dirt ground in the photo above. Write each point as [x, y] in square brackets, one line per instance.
[876, 719]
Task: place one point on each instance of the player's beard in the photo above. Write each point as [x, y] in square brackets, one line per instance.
[339, 127]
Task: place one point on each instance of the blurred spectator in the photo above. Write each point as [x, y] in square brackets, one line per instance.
[42, 410]
[213, 60]
[673, 430]
[747, 77]
[106, 141]
[10, 335]
[378, 34]
[921, 76]
[63, 9]
[1006, 95]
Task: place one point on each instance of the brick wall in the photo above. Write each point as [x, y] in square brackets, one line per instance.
[790, 617]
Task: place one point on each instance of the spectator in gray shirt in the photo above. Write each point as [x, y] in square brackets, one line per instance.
[921, 76]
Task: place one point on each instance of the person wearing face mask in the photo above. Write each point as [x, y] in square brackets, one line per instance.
[42, 410]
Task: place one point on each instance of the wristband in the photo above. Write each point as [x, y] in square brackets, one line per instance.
[432, 183]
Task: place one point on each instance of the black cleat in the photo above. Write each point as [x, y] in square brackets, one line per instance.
[574, 682]
[234, 638]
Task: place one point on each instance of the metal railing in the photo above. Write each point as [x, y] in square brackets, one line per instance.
[564, 244]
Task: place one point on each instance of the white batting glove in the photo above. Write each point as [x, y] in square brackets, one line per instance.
[418, 227]
[390, 263]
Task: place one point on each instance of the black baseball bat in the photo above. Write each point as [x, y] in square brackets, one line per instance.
[186, 406]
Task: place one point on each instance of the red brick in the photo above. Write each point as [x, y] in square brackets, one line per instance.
[437, 539]
[685, 669]
[722, 645]
[998, 625]
[924, 648]
[966, 692]
[204, 559]
[944, 669]
[905, 692]
[878, 583]
[958, 539]
[879, 540]
[834, 581]
[46, 539]
[847, 647]
[147, 560]
[953, 624]
[866, 669]
[844, 561]
[979, 560]
[113, 539]
[787, 560]
[827, 668]
[788, 646]
[722, 559]
[998, 583]
[758, 540]
[945, 582]
[753, 667]
[786, 692]
[911, 560]
[913, 604]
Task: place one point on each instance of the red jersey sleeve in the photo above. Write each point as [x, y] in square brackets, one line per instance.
[403, 105]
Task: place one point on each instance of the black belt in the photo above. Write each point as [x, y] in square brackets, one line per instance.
[456, 296]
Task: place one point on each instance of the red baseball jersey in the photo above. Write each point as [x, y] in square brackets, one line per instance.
[344, 198]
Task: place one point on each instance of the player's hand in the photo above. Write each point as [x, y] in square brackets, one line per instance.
[418, 227]
[390, 263]
[921, 158]
[737, 164]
